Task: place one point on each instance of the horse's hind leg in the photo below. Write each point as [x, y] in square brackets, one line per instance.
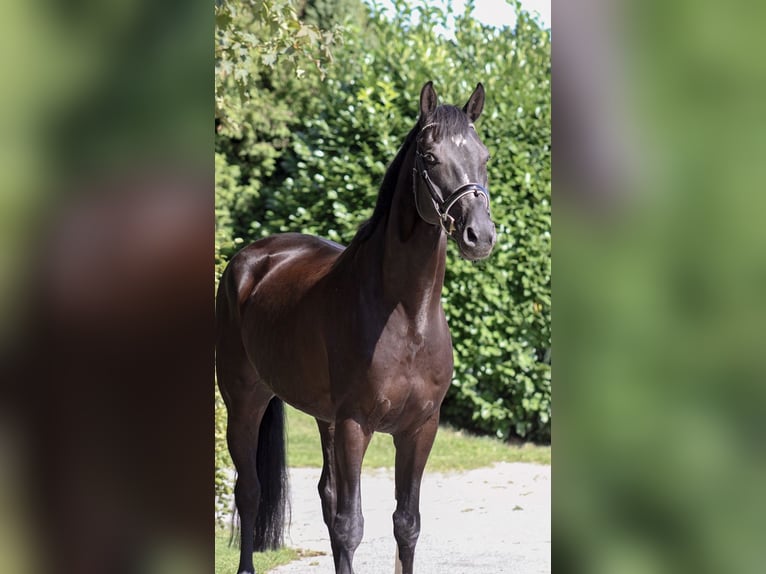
[412, 450]
[244, 421]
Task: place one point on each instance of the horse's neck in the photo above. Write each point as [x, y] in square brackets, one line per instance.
[402, 260]
[414, 252]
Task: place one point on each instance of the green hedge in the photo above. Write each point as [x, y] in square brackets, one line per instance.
[313, 153]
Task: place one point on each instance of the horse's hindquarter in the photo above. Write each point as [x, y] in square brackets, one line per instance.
[280, 321]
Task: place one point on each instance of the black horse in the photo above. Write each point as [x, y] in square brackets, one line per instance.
[355, 337]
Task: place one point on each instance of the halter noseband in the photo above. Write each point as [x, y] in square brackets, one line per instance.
[442, 206]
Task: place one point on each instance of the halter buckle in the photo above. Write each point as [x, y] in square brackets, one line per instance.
[450, 228]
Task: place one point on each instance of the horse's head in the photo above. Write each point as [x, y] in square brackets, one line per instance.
[450, 180]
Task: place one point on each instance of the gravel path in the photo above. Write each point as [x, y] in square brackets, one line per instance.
[490, 520]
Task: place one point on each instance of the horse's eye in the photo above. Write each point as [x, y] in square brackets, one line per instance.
[429, 158]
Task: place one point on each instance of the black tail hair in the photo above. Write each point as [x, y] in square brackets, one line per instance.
[272, 474]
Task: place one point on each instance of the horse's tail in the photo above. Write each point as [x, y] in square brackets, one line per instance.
[272, 474]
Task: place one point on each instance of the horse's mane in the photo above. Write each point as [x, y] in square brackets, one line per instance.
[445, 120]
[387, 188]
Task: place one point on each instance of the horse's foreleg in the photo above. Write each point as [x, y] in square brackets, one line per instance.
[327, 483]
[412, 450]
[351, 442]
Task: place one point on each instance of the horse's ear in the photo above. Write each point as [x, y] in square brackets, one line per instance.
[475, 103]
[428, 100]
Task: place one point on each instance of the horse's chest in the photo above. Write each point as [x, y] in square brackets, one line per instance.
[410, 376]
[413, 350]
[417, 356]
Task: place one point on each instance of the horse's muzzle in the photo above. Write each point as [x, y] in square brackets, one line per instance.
[476, 238]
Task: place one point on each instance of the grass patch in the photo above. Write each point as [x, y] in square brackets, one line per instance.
[453, 449]
[227, 557]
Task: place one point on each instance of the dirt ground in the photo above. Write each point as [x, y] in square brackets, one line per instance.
[490, 520]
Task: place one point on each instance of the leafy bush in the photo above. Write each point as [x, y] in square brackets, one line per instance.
[344, 131]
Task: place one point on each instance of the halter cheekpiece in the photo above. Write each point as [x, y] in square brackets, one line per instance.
[442, 206]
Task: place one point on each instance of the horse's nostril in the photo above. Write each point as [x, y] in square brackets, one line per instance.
[470, 236]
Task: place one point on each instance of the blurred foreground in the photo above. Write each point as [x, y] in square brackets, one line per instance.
[106, 216]
[660, 277]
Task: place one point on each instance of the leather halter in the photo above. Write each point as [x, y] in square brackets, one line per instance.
[442, 206]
